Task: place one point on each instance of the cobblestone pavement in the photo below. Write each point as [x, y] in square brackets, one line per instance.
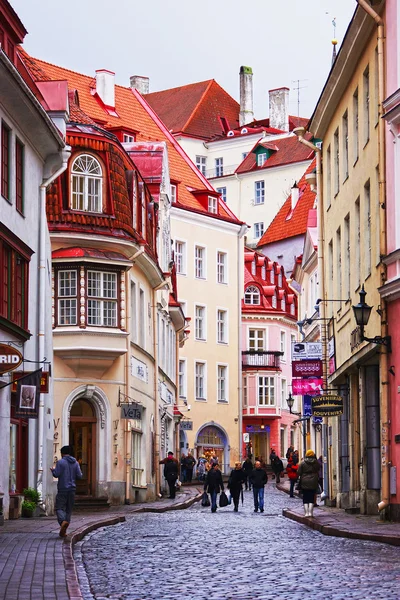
[196, 555]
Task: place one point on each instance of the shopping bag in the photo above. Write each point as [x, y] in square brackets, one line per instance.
[223, 500]
[204, 500]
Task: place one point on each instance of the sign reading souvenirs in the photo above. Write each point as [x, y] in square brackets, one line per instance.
[10, 358]
[327, 406]
[131, 411]
[186, 425]
[310, 386]
[306, 350]
[28, 395]
[307, 368]
[44, 380]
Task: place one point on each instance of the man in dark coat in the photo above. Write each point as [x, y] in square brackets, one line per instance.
[247, 468]
[258, 479]
[171, 469]
[235, 481]
[214, 485]
[189, 462]
[277, 467]
[67, 470]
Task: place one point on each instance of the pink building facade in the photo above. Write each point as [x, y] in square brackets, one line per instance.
[390, 291]
[269, 316]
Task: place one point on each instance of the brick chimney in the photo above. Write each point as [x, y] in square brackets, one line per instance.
[140, 83]
[105, 87]
[279, 108]
[246, 114]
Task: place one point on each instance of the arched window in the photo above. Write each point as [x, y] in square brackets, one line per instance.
[263, 272]
[86, 184]
[253, 267]
[283, 303]
[272, 275]
[252, 295]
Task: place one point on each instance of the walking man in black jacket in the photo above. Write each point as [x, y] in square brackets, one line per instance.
[171, 468]
[214, 485]
[258, 479]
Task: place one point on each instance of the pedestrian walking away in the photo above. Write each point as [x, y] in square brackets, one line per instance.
[190, 461]
[235, 484]
[170, 472]
[258, 479]
[291, 470]
[213, 485]
[289, 452]
[308, 481]
[277, 467]
[67, 471]
[247, 468]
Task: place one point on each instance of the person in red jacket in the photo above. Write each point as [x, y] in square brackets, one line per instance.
[291, 471]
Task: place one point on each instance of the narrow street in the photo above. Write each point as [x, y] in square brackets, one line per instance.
[196, 555]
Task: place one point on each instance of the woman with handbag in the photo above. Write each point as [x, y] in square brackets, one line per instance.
[213, 485]
[308, 481]
[291, 471]
[235, 483]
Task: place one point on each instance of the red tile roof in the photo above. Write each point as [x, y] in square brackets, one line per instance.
[288, 223]
[289, 150]
[133, 112]
[194, 109]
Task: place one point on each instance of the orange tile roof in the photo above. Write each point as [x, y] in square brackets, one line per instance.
[194, 109]
[289, 150]
[134, 113]
[288, 223]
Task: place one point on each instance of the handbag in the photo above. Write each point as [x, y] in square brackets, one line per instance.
[204, 500]
[319, 490]
[223, 500]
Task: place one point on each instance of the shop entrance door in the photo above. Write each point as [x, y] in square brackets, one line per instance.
[82, 438]
[260, 443]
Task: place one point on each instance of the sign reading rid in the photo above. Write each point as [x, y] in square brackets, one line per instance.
[327, 406]
[10, 358]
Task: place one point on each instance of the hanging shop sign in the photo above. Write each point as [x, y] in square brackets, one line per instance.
[131, 411]
[327, 406]
[28, 396]
[306, 350]
[307, 368]
[311, 386]
[44, 380]
[10, 358]
[186, 425]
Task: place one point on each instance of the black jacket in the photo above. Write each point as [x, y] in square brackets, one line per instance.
[247, 467]
[170, 468]
[277, 465]
[236, 478]
[213, 482]
[258, 478]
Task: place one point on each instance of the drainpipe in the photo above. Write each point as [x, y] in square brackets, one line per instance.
[65, 155]
[240, 277]
[383, 363]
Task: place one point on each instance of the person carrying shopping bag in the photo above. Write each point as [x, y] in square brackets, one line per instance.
[213, 485]
[235, 483]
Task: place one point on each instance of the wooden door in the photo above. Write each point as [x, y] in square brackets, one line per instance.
[82, 438]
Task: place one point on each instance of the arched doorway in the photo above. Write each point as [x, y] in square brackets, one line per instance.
[82, 438]
[212, 441]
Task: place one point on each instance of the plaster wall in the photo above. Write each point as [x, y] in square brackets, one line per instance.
[285, 252]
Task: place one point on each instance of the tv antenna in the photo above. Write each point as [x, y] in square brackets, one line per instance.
[299, 87]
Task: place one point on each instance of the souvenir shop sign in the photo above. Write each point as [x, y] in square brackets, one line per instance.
[310, 386]
[306, 350]
[131, 411]
[10, 358]
[327, 406]
[44, 380]
[28, 395]
[307, 368]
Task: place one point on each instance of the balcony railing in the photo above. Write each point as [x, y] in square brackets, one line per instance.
[266, 359]
[221, 171]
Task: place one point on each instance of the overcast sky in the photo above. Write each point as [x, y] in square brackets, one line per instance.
[175, 42]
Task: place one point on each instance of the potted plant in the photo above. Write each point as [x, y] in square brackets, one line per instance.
[28, 508]
[31, 495]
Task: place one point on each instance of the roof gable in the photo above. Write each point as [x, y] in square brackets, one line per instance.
[283, 151]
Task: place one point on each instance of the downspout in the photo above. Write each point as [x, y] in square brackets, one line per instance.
[240, 276]
[65, 155]
[383, 363]
[299, 131]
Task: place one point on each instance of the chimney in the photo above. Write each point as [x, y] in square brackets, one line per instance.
[141, 84]
[246, 114]
[279, 108]
[105, 87]
[295, 195]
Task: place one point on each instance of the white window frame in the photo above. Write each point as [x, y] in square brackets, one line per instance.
[173, 193]
[201, 164]
[102, 300]
[222, 192]
[264, 384]
[259, 192]
[283, 345]
[284, 392]
[200, 323]
[222, 267]
[258, 230]
[222, 326]
[182, 378]
[82, 180]
[259, 341]
[180, 257]
[261, 159]
[252, 292]
[200, 263]
[203, 364]
[212, 205]
[67, 299]
[127, 139]
[222, 383]
[245, 391]
[219, 166]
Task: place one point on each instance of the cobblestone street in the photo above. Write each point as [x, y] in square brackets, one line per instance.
[196, 555]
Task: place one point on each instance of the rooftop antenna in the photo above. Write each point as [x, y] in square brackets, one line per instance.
[334, 41]
[298, 87]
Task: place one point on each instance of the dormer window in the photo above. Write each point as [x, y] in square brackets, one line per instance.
[252, 295]
[212, 205]
[230, 133]
[244, 130]
[173, 193]
[128, 139]
[283, 304]
[261, 159]
[86, 184]
[274, 301]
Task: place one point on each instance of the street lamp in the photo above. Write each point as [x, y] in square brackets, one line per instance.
[362, 312]
[290, 402]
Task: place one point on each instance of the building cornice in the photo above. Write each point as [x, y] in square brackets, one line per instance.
[390, 290]
[186, 216]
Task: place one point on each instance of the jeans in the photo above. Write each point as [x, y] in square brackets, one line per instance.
[247, 482]
[258, 494]
[292, 484]
[213, 495]
[64, 505]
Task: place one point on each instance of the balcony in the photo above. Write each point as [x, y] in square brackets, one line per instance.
[221, 171]
[261, 359]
